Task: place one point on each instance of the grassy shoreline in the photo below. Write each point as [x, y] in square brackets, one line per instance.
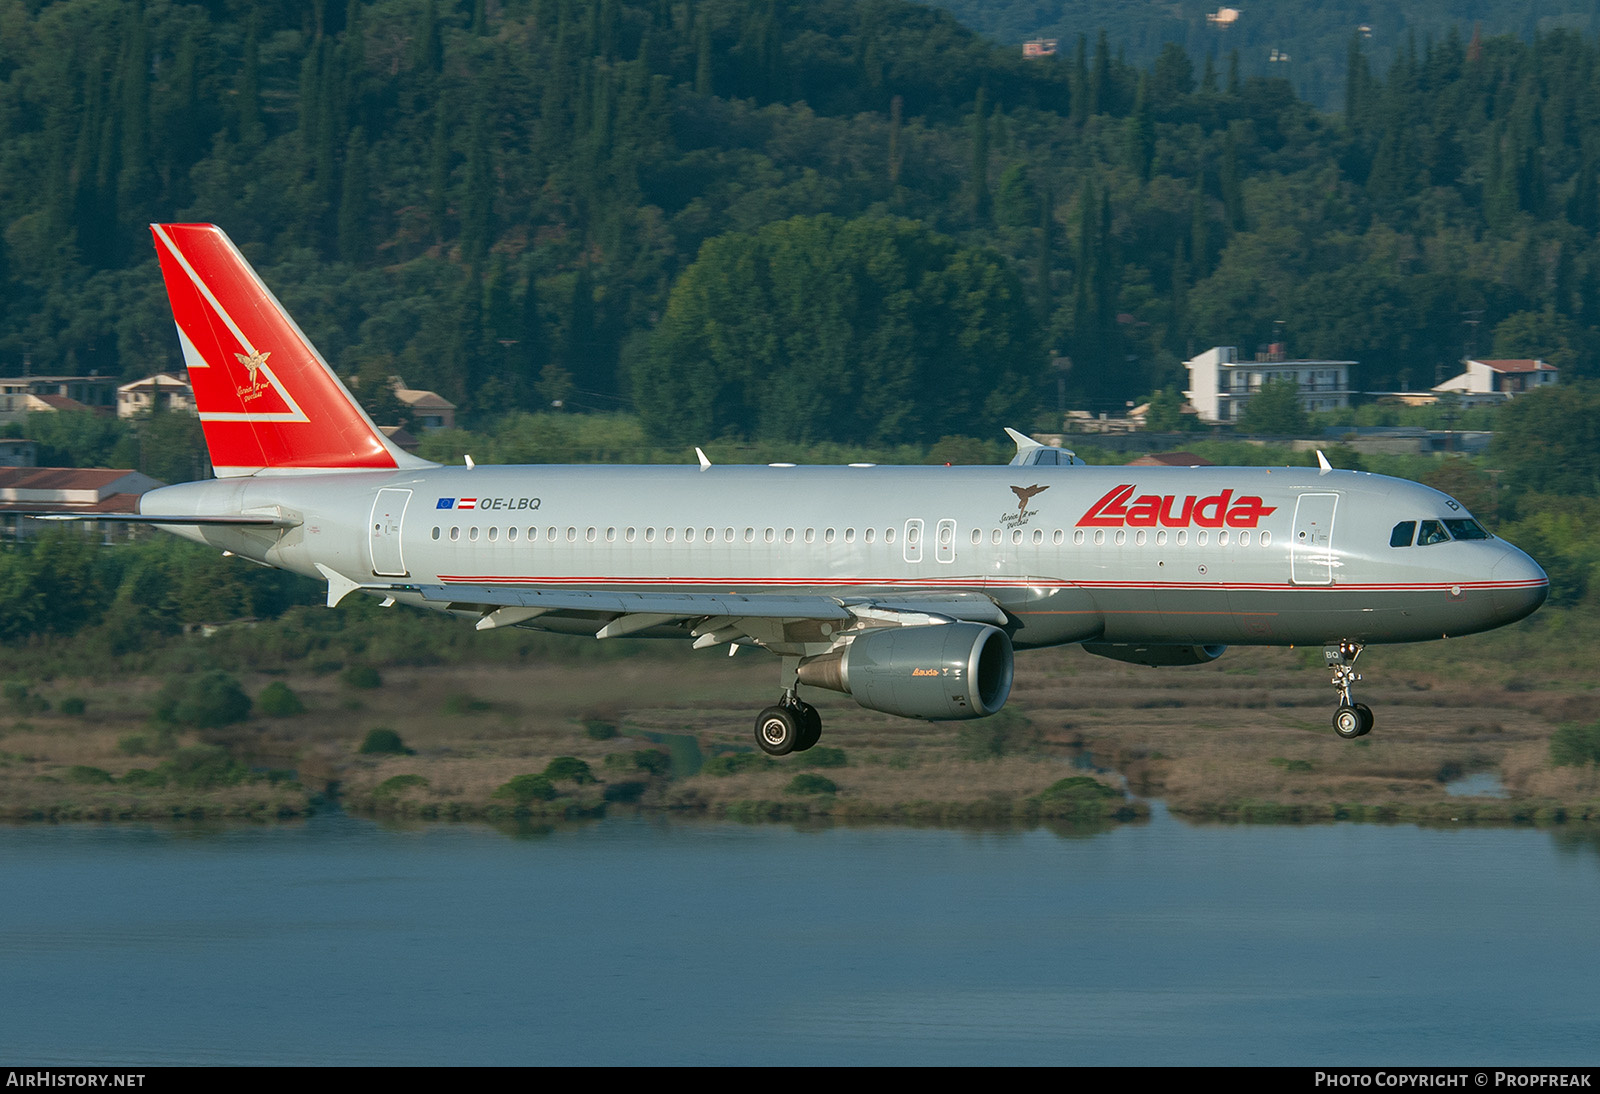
[1084, 741]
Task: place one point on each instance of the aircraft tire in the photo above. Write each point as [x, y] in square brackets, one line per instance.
[1349, 724]
[1366, 718]
[810, 727]
[778, 731]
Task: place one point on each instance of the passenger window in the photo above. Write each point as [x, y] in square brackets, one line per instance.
[1401, 536]
[436, 533]
[1432, 532]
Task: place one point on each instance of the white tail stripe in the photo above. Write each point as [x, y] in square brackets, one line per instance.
[191, 355]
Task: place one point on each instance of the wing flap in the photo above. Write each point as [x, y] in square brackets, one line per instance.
[671, 605]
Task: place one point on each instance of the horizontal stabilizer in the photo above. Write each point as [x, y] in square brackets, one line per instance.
[239, 520]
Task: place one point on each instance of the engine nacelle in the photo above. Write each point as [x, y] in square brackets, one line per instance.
[1155, 655]
[943, 671]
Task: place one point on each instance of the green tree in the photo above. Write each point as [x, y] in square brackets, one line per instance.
[818, 328]
[1166, 413]
[1548, 441]
[1275, 410]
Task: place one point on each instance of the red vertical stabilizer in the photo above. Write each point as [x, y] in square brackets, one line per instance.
[266, 398]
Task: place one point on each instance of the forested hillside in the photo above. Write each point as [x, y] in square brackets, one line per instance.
[805, 213]
[1302, 41]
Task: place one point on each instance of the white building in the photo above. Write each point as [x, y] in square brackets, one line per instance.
[1496, 381]
[1221, 384]
[84, 491]
[24, 395]
[165, 390]
[429, 409]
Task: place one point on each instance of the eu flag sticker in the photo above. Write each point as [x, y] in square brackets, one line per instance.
[446, 503]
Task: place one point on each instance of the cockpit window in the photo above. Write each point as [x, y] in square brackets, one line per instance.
[1432, 532]
[1466, 529]
[1401, 536]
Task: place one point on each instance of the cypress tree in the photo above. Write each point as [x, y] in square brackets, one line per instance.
[980, 200]
[247, 89]
[354, 242]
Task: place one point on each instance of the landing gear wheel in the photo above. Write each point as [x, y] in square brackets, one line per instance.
[778, 731]
[1351, 719]
[1366, 718]
[1349, 724]
[810, 726]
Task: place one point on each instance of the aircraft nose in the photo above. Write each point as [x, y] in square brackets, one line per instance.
[1521, 585]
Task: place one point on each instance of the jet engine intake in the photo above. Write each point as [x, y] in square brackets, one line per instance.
[943, 671]
[1157, 656]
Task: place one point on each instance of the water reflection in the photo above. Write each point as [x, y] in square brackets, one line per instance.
[647, 940]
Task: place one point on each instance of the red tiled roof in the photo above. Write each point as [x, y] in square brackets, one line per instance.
[1517, 365]
[1170, 459]
[61, 402]
[59, 478]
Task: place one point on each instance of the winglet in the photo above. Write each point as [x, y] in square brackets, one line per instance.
[1025, 445]
[339, 586]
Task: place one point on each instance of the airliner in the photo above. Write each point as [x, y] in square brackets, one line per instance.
[906, 588]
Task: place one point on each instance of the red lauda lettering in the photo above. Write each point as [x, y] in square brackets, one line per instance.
[1119, 509]
[1109, 510]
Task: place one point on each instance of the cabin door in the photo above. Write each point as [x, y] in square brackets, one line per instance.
[388, 512]
[1311, 548]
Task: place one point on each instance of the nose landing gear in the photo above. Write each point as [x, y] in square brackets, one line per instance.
[1350, 719]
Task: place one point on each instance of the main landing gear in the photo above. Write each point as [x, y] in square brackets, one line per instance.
[1351, 719]
[792, 726]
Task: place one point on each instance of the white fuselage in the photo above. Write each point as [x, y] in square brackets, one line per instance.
[1118, 554]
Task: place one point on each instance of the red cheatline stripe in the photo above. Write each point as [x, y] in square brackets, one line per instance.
[975, 584]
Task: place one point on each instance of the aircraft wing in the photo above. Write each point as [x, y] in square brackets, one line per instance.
[719, 617]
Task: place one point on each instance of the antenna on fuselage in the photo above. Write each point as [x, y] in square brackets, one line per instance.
[1323, 466]
[704, 463]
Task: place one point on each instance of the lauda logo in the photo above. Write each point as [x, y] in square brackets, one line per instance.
[1120, 508]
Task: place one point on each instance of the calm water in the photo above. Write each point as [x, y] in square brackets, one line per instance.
[640, 941]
